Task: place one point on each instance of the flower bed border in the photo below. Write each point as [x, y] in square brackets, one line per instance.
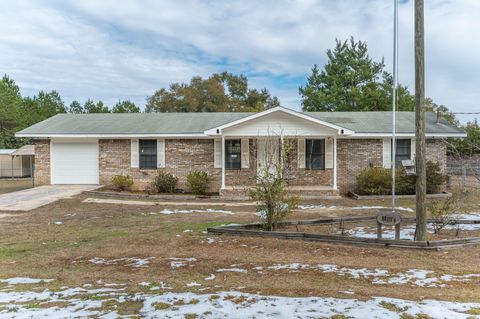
[254, 230]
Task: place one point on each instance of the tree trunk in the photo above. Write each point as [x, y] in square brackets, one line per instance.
[421, 226]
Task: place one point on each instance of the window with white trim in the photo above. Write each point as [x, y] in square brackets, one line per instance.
[403, 151]
[233, 154]
[315, 154]
[148, 154]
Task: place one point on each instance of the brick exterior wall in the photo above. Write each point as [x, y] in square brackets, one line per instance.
[42, 162]
[353, 155]
[437, 152]
[185, 155]
[181, 157]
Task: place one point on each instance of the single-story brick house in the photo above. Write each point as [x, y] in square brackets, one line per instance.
[330, 149]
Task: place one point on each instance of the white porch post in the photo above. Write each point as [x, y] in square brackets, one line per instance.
[223, 161]
[335, 162]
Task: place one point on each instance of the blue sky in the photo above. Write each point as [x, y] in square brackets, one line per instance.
[113, 50]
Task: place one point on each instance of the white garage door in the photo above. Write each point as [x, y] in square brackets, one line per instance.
[74, 163]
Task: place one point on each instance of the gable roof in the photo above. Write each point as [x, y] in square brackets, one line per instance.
[196, 124]
[305, 116]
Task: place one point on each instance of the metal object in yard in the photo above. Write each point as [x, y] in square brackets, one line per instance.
[409, 166]
[388, 218]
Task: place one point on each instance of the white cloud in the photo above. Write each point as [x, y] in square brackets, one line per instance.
[113, 50]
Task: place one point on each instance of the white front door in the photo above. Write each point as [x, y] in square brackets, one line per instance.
[74, 163]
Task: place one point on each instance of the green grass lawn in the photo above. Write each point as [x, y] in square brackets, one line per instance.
[8, 186]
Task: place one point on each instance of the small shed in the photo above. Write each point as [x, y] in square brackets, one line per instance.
[17, 163]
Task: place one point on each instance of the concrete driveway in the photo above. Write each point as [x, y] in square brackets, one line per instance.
[32, 198]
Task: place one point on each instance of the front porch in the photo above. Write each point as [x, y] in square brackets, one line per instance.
[308, 175]
[307, 147]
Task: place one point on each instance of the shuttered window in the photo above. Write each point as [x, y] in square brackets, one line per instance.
[233, 154]
[315, 154]
[148, 154]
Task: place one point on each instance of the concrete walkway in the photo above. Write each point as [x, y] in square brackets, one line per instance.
[32, 198]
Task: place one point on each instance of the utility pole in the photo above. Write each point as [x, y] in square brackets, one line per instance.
[421, 182]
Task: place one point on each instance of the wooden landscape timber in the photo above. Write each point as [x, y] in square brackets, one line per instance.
[255, 230]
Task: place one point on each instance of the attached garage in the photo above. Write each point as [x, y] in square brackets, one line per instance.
[74, 163]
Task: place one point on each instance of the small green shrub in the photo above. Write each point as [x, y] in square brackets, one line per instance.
[198, 182]
[378, 180]
[375, 181]
[435, 178]
[122, 182]
[165, 183]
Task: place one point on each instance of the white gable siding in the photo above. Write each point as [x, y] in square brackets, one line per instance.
[276, 124]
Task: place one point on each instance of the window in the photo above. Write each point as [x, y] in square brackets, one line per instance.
[233, 154]
[148, 154]
[403, 151]
[315, 154]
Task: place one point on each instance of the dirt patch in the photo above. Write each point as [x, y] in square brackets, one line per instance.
[57, 240]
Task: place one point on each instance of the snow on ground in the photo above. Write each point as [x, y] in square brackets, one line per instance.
[127, 261]
[24, 280]
[380, 276]
[181, 262]
[240, 270]
[303, 207]
[82, 303]
[211, 277]
[192, 211]
[193, 284]
[311, 206]
[407, 232]
[406, 209]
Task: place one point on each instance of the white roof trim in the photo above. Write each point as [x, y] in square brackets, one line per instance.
[374, 135]
[213, 131]
[113, 136]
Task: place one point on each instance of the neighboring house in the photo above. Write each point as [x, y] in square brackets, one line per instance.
[330, 148]
[16, 163]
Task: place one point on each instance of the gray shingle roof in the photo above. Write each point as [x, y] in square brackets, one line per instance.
[197, 123]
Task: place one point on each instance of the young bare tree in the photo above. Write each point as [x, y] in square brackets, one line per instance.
[271, 180]
[442, 212]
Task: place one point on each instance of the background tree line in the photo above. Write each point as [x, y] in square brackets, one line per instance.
[350, 81]
[221, 92]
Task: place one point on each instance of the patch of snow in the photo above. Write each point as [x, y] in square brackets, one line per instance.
[414, 277]
[407, 232]
[161, 285]
[188, 231]
[24, 280]
[227, 304]
[192, 211]
[127, 261]
[406, 209]
[144, 284]
[211, 277]
[193, 284]
[180, 262]
[240, 270]
[58, 223]
[310, 206]
[233, 304]
[212, 240]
